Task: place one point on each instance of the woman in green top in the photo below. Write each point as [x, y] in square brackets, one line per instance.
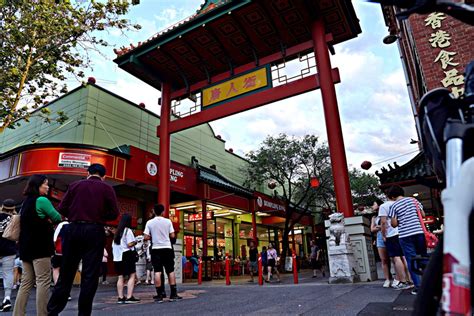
[36, 244]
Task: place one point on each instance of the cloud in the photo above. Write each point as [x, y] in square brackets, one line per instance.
[374, 107]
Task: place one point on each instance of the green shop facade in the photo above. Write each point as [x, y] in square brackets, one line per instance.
[213, 213]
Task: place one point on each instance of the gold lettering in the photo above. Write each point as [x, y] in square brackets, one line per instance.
[440, 39]
[434, 20]
[452, 78]
[445, 58]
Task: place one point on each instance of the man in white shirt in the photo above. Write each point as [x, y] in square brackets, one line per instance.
[160, 231]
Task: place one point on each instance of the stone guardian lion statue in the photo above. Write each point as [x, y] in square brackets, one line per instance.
[337, 230]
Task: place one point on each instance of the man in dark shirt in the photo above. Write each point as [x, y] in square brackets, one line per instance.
[253, 253]
[87, 204]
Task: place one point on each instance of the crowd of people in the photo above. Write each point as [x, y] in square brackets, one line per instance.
[79, 239]
[43, 255]
[399, 238]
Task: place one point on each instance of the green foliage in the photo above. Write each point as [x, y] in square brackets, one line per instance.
[364, 187]
[292, 162]
[43, 41]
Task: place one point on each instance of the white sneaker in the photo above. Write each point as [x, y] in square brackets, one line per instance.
[386, 283]
[395, 283]
[403, 286]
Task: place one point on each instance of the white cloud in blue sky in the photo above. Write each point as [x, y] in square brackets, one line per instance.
[373, 100]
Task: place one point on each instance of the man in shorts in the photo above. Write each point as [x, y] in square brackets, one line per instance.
[160, 231]
[253, 254]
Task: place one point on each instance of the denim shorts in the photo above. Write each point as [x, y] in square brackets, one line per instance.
[380, 242]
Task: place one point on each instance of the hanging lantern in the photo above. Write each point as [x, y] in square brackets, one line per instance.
[314, 182]
[272, 184]
[366, 165]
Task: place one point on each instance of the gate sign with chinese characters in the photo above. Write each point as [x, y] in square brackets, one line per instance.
[240, 85]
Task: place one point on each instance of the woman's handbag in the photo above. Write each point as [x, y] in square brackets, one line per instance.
[430, 238]
[12, 230]
[136, 256]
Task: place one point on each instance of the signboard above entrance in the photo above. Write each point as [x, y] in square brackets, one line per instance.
[240, 85]
[268, 204]
[198, 217]
[74, 160]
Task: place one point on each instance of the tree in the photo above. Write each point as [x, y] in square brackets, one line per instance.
[42, 41]
[364, 187]
[291, 163]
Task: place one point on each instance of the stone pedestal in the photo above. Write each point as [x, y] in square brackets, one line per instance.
[341, 265]
[358, 229]
[341, 255]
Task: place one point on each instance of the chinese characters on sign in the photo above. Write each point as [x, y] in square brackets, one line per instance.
[198, 217]
[441, 39]
[236, 86]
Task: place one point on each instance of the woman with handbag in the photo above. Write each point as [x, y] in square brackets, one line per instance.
[7, 253]
[36, 244]
[125, 258]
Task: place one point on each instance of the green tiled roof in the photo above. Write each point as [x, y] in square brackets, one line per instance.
[213, 177]
[415, 168]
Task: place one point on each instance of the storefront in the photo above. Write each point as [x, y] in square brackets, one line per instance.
[234, 215]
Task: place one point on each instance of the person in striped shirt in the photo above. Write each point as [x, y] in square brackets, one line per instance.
[404, 214]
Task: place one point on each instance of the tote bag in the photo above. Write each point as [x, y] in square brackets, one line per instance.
[12, 231]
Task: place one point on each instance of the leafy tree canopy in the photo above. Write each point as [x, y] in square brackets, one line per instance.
[291, 162]
[43, 41]
[364, 187]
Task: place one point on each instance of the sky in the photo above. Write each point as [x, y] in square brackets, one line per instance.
[374, 106]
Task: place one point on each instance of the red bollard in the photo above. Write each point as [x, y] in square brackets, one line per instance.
[295, 269]
[200, 271]
[260, 272]
[227, 270]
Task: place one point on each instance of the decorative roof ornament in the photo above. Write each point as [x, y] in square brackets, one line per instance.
[209, 5]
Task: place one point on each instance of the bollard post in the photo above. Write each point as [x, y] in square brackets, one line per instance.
[227, 270]
[295, 269]
[200, 271]
[260, 271]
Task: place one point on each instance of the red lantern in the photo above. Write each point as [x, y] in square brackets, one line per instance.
[314, 182]
[272, 184]
[366, 165]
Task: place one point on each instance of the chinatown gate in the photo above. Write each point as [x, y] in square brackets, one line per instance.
[229, 57]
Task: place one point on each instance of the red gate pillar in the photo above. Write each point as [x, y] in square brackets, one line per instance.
[254, 220]
[204, 228]
[333, 122]
[164, 162]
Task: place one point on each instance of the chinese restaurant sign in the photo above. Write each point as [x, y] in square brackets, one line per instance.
[198, 217]
[453, 80]
[237, 86]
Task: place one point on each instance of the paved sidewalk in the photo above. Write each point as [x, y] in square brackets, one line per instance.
[310, 297]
